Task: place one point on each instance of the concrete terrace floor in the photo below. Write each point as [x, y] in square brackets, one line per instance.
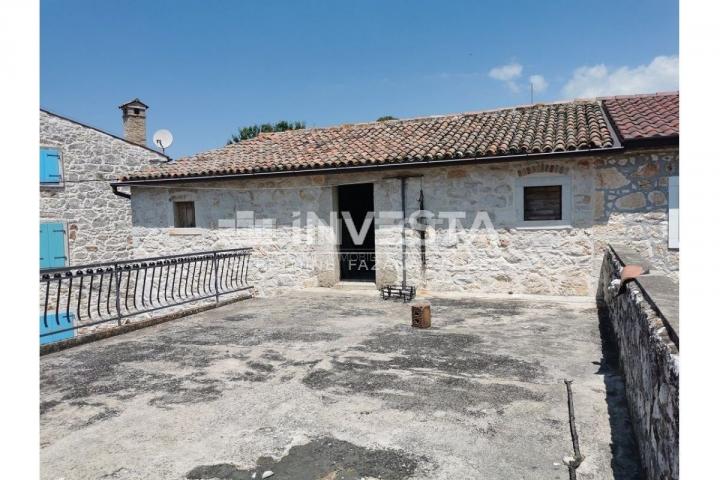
[326, 384]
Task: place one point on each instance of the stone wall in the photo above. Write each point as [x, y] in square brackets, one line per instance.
[98, 222]
[510, 257]
[631, 204]
[651, 367]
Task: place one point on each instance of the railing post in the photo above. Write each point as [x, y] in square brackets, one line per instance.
[117, 294]
[215, 273]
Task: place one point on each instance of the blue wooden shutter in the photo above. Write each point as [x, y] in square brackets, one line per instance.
[50, 326]
[52, 245]
[49, 165]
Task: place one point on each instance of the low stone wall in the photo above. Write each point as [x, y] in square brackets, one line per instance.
[649, 358]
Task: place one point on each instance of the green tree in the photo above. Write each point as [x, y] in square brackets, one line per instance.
[252, 131]
[386, 118]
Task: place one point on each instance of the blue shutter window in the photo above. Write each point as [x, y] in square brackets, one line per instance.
[52, 245]
[50, 166]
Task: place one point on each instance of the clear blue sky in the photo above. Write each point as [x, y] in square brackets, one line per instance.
[207, 67]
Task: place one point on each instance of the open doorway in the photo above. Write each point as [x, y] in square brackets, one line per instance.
[357, 241]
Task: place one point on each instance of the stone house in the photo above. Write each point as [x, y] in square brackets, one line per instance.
[82, 218]
[519, 200]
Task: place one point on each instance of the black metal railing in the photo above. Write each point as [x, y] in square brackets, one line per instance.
[88, 295]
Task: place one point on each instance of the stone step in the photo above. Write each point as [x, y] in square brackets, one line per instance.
[349, 285]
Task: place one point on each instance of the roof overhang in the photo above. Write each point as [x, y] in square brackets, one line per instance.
[652, 142]
[375, 167]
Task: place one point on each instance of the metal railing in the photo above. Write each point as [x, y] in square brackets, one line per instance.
[82, 296]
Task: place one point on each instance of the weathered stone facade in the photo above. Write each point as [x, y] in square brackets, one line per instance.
[651, 367]
[98, 222]
[614, 197]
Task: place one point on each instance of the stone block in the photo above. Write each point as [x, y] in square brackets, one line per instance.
[648, 170]
[611, 178]
[631, 201]
[645, 184]
[657, 198]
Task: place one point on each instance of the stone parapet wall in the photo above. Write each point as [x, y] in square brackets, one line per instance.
[98, 222]
[651, 367]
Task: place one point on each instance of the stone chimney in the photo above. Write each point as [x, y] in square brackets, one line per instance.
[134, 121]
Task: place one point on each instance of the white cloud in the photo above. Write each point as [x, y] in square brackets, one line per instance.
[539, 83]
[507, 72]
[593, 81]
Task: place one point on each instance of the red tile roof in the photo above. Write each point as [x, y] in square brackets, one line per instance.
[644, 117]
[536, 129]
[579, 125]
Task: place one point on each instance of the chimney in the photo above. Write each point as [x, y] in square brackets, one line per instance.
[134, 121]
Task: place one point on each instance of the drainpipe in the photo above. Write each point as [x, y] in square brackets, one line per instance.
[402, 195]
[119, 193]
[403, 179]
[403, 186]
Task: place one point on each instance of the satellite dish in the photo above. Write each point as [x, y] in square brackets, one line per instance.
[163, 139]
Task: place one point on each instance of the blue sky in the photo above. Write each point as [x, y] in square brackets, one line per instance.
[207, 67]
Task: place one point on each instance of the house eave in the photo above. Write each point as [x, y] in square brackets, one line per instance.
[652, 142]
[375, 167]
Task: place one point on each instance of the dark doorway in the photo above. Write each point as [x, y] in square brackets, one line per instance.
[357, 255]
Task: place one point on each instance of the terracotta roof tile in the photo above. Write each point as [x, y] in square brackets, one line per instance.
[643, 117]
[559, 127]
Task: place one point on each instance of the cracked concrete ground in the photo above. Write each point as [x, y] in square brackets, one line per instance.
[325, 384]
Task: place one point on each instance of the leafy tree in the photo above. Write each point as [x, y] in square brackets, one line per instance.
[386, 118]
[252, 131]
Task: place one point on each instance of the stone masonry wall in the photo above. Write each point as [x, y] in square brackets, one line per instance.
[631, 202]
[651, 366]
[98, 222]
[614, 198]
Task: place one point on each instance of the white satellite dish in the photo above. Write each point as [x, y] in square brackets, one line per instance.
[163, 139]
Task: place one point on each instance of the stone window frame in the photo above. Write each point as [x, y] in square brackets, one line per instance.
[61, 161]
[543, 179]
[188, 195]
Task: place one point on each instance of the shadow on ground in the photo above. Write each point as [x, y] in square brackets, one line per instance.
[323, 459]
[625, 462]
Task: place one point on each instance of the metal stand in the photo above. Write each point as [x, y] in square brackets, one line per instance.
[406, 293]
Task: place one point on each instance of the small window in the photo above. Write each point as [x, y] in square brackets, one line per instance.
[185, 214]
[50, 166]
[542, 203]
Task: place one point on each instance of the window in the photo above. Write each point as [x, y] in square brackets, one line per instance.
[543, 201]
[185, 214]
[674, 212]
[53, 245]
[50, 166]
